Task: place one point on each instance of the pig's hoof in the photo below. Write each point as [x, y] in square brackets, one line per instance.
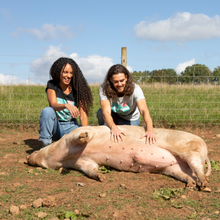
[101, 177]
[205, 182]
[191, 184]
[84, 137]
[63, 170]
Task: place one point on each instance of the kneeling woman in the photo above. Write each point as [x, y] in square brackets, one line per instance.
[69, 97]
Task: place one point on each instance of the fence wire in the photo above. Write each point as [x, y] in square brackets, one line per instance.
[190, 98]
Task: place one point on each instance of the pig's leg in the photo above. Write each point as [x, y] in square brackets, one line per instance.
[192, 152]
[181, 172]
[89, 167]
[196, 165]
[194, 161]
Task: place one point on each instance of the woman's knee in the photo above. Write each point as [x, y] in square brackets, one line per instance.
[48, 112]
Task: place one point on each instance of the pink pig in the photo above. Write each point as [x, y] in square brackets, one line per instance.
[176, 153]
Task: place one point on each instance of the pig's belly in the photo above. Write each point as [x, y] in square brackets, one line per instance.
[138, 159]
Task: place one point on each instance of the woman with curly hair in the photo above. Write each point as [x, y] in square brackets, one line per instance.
[69, 97]
[122, 101]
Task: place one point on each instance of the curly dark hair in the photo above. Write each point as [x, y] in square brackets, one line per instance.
[108, 88]
[83, 93]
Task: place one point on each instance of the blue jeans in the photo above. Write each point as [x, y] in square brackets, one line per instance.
[117, 119]
[51, 128]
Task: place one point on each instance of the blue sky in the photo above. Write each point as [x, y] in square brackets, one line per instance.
[158, 34]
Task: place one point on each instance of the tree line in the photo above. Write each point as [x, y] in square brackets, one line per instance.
[197, 73]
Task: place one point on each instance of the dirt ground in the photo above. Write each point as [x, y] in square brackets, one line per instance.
[123, 195]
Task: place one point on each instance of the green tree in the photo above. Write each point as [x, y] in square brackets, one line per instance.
[171, 76]
[163, 76]
[216, 74]
[197, 73]
[157, 76]
[141, 77]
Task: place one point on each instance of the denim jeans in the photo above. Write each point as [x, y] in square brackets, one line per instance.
[117, 119]
[51, 128]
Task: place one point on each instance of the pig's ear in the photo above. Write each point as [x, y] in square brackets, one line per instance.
[84, 137]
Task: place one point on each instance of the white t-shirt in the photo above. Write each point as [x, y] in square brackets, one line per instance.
[126, 106]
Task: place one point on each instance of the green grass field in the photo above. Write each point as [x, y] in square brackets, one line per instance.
[168, 104]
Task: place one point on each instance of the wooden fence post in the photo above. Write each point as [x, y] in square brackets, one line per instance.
[124, 56]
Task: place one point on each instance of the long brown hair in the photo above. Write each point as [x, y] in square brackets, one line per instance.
[108, 88]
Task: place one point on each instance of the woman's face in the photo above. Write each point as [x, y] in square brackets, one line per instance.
[66, 75]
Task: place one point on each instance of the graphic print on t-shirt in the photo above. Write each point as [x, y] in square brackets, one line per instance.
[123, 109]
[64, 115]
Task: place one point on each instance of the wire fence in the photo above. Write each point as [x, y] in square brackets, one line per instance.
[190, 98]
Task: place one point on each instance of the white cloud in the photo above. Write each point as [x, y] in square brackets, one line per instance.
[181, 27]
[94, 67]
[14, 80]
[47, 32]
[182, 66]
[41, 66]
[11, 80]
[129, 69]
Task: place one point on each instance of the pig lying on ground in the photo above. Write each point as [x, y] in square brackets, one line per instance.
[176, 153]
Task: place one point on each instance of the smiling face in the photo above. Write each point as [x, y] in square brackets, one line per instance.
[66, 75]
[119, 81]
